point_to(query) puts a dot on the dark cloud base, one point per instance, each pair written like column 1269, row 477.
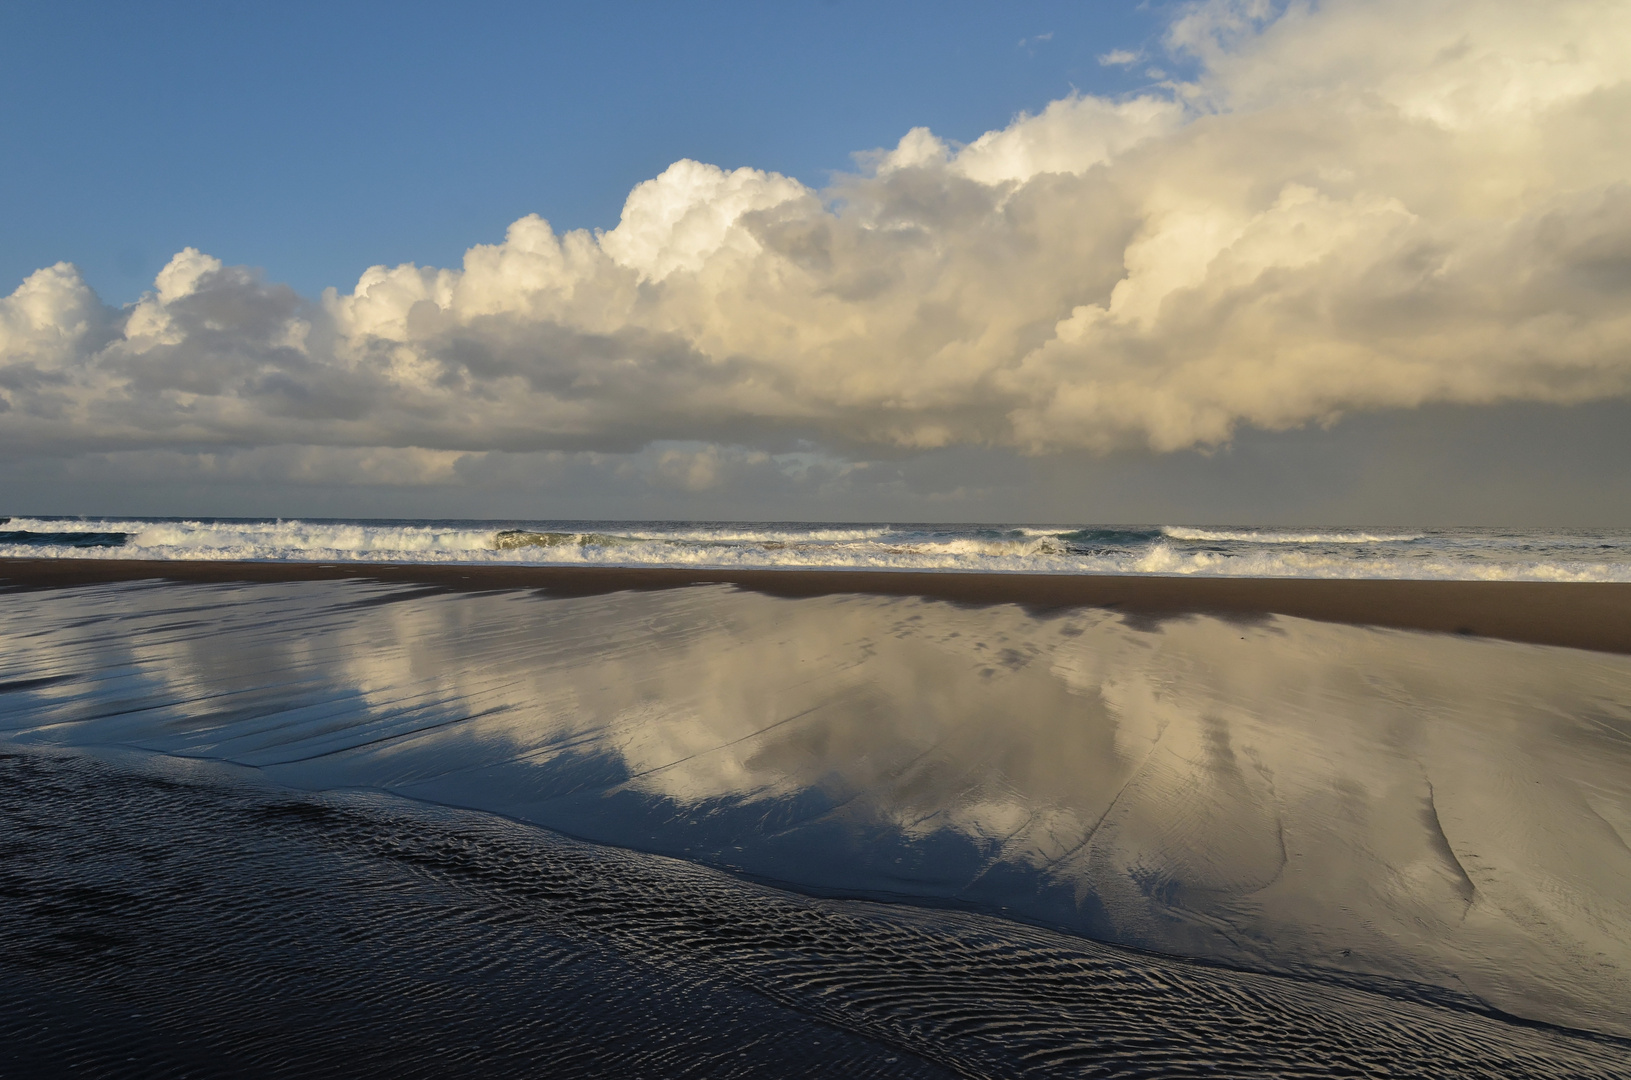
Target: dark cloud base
column 1520, row 465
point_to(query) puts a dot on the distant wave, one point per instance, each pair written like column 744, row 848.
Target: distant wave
column 1260, row 536
column 1464, row 554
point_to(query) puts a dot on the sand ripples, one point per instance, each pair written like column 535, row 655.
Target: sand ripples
column 167, row 918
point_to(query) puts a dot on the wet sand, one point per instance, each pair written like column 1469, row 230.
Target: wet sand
column 1580, row 615
column 183, row 921
column 422, row 820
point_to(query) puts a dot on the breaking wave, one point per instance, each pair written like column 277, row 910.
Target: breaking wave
column 1464, row 554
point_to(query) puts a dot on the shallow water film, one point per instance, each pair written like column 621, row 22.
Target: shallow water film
column 316, row 827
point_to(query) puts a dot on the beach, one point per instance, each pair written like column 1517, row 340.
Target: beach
column 1386, row 819
column 737, row 540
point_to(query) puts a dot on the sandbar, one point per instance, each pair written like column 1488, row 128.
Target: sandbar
column 1580, row 615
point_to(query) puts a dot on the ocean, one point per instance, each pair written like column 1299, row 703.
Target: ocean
column 379, row 826
column 1457, row 554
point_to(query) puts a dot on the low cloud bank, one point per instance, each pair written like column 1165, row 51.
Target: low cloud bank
column 1352, row 207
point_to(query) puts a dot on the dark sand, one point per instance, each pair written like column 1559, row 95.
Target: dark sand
column 172, row 920
column 1581, row 615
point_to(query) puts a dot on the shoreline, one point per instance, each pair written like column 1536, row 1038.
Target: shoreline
column 1581, row 615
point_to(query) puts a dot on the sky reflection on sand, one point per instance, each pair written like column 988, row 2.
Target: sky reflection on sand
column 1280, row 794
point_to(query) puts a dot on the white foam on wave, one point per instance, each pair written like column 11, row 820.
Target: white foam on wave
column 298, row 536
column 71, row 525
column 1163, row 559
column 1176, row 551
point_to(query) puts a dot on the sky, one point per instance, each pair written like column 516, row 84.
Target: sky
column 1233, row 261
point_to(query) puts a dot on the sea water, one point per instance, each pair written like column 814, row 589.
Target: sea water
column 1460, row 554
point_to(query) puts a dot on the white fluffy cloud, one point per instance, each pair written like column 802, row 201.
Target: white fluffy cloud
column 1353, row 206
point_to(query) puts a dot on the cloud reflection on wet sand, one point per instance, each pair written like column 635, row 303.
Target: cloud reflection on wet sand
column 1278, row 794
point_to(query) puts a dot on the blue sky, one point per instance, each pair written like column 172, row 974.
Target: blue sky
column 316, row 139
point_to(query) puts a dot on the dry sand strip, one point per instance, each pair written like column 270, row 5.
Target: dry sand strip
column 1581, row 615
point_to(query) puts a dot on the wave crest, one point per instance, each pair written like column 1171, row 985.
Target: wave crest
column 1269, row 536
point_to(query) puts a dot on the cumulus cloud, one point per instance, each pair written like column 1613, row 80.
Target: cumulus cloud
column 1351, row 207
